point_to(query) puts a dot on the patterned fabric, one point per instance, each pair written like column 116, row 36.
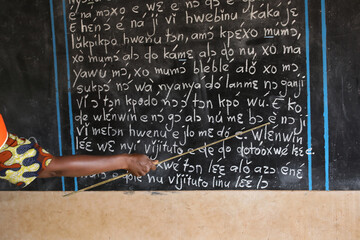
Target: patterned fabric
column 21, row 161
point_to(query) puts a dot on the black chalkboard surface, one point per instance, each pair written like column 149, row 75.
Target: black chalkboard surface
column 344, row 91
column 165, row 77
column 27, row 91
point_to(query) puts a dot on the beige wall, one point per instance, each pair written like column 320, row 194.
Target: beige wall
column 181, row 215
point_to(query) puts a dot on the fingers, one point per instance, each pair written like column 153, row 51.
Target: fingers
column 141, row 165
column 153, row 167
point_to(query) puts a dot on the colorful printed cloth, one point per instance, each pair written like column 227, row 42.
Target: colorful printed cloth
column 21, row 161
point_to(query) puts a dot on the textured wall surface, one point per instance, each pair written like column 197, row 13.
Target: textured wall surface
column 181, row 215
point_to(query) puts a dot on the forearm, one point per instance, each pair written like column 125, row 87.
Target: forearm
column 83, row 165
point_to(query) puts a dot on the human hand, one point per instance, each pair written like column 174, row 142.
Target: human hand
column 139, row 164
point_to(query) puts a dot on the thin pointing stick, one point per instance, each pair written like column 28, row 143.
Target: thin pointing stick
column 169, row 159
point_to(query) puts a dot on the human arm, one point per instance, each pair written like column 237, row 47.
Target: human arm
column 21, row 161
column 83, row 165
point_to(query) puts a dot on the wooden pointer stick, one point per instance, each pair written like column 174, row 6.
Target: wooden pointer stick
column 169, row 159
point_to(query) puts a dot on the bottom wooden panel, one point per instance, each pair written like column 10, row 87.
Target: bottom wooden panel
column 180, row 215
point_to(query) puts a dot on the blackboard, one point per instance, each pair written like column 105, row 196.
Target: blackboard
column 161, row 78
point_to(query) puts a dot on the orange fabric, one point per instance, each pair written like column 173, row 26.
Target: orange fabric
column 3, row 132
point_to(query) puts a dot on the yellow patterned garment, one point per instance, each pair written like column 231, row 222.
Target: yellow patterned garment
column 21, row 161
